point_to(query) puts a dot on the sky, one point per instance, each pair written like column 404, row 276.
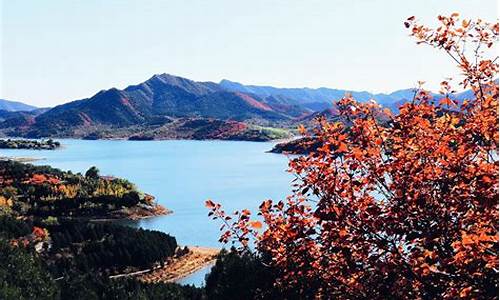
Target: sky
column 56, row 51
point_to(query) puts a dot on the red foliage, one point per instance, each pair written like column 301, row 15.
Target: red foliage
column 401, row 206
column 229, row 128
column 38, row 179
column 254, row 103
column 39, row 233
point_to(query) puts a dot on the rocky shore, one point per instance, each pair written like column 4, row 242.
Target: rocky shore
column 29, row 144
column 302, row 145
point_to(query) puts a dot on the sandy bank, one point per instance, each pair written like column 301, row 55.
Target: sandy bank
column 21, row 159
column 179, row 267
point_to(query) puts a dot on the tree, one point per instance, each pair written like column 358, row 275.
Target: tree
column 92, row 172
column 22, row 276
column 242, row 276
column 395, row 206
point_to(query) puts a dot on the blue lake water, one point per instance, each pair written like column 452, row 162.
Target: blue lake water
column 181, row 175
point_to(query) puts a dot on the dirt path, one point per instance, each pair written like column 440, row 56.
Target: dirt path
column 177, row 268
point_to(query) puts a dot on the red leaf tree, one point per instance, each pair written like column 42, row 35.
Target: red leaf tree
column 395, row 206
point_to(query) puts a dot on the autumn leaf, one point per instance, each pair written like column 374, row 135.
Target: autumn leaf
column 447, row 101
column 486, row 179
column 342, row 148
column 256, row 225
column 358, row 153
column 209, row 204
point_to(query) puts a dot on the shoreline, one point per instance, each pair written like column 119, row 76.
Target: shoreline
column 177, row 267
column 97, row 220
column 161, row 139
column 159, row 211
column 20, row 159
column 180, row 267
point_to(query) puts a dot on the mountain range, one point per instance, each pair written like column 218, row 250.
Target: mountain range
column 167, row 106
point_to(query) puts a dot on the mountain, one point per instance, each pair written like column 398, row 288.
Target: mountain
column 162, row 95
column 162, row 99
column 181, row 97
column 8, row 105
column 168, row 106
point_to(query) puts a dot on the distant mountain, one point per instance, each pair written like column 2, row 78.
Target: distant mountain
column 167, row 106
column 316, row 99
column 6, row 114
column 8, row 105
column 321, row 99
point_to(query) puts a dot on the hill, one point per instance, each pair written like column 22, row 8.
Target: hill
column 9, row 105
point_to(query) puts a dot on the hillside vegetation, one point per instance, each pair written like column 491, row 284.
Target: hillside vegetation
column 50, row 247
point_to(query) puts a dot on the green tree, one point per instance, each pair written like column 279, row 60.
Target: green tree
column 243, row 276
column 92, row 172
column 22, row 276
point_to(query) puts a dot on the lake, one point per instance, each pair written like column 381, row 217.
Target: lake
column 181, row 174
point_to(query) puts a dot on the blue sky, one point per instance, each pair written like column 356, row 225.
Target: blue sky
column 57, row 51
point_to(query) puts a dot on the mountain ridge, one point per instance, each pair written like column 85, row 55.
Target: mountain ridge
column 165, row 101
column 9, row 105
column 319, row 96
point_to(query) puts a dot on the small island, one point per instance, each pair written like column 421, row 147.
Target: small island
column 303, row 145
column 49, row 144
